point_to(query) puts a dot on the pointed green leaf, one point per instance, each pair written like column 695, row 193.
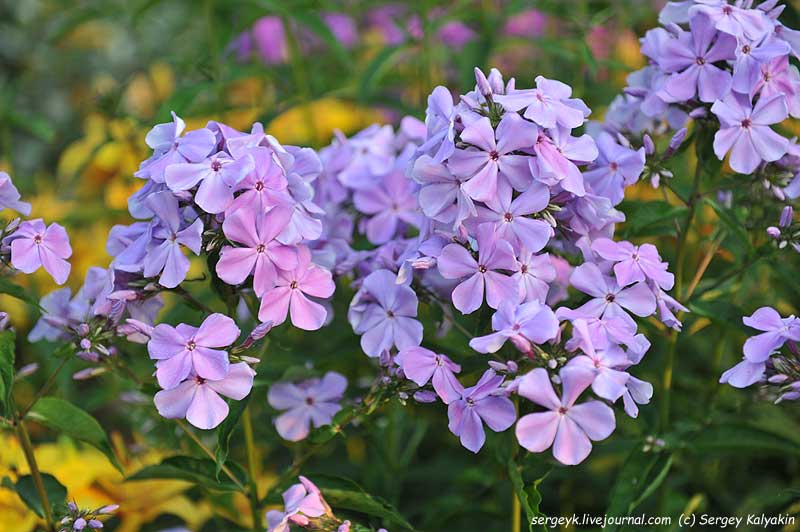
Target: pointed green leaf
column 199, row 471
column 26, row 489
column 529, row 496
column 7, row 357
column 640, row 476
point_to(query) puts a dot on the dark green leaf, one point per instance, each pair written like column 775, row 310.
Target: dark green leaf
column 225, row 431
column 26, row 489
column 729, row 219
column 739, row 438
column 17, row 292
column 529, row 496
column 645, row 218
column 7, row 349
column 199, row 471
column 63, row 416
column 640, row 476
column 346, row 494
column 376, row 68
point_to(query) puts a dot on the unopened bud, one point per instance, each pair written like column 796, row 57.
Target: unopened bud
column 786, row 216
column 773, row 232
column 649, row 145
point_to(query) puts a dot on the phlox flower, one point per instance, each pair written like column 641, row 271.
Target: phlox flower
column 184, row 349
column 568, row 427
column 169, row 147
column 745, row 132
column 217, row 176
column 390, row 204
column 492, row 158
column 522, row 324
column 259, row 254
column 439, row 124
column 484, row 402
column 777, row 331
column 609, row 380
column 263, row 187
column 509, row 218
column 637, row 392
column 290, row 294
column 533, row 274
column 10, row 196
column 456, row 262
column 300, row 502
column 557, row 155
column 198, row 399
column 35, row 245
column 166, row 257
column 751, row 24
column 423, row 365
column 616, row 167
column 549, row 104
column 312, row 402
column 779, row 77
column 608, row 297
column 441, row 195
column 384, row 314
column 634, row 263
column 750, row 57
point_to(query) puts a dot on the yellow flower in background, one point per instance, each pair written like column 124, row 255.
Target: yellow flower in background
column 146, row 91
column 92, row 482
column 316, row 121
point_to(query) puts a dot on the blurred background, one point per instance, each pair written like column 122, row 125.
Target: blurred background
column 81, row 82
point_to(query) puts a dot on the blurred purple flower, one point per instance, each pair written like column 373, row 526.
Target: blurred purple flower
column 312, row 402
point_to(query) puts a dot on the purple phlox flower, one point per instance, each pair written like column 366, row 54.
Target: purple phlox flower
column 609, row 381
column 558, row 154
column 749, row 59
column 55, row 319
column 745, row 132
column 778, row 77
column 184, row 349
column 300, row 502
column 548, row 104
column 365, row 156
column 439, row 122
column 198, row 399
column 608, row 297
column 568, row 427
column 527, row 23
column 533, row 275
column 10, row 196
column 491, row 158
column 523, row 324
column 483, row 403
column 744, row 374
column 169, row 147
column 35, row 245
column 442, row 195
column 270, row 39
column 423, row 365
column 615, row 168
column 667, row 306
column 509, row 218
column 342, row 27
column 129, row 244
column 690, row 58
column 166, row 257
column 218, row 177
column 260, row 254
column 599, row 333
column 488, row 87
column 290, row 294
column 264, row 187
column 384, row 313
column 481, row 275
column 637, row 392
column 391, row 204
column 634, row 263
column 777, row 331
column 455, row 34
column 344, row 527
column 751, row 24
column 590, row 215
column 311, row 402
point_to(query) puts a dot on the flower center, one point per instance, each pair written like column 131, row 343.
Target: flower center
column 700, row 61
column 746, row 49
column 191, row 345
column 746, row 123
column 216, row 165
column 200, row 380
column 614, row 166
column 309, row 401
column 439, row 361
column 493, row 155
column 523, row 268
column 727, row 10
column 260, row 248
column 482, row 268
column 37, row 239
column 390, row 314
column 610, row 298
column 259, row 186
column 470, row 401
column 515, row 327
column 508, row 216
column 562, row 410
column 293, row 285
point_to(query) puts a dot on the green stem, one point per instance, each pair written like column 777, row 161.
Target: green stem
column 27, row 449
column 516, row 513
column 252, row 469
column 210, row 454
column 44, row 389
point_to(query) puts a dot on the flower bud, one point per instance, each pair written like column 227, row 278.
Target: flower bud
column 649, row 145
column 773, row 232
column 786, row 216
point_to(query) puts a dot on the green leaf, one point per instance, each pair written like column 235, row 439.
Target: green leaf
column 640, row 476
column 346, row 494
column 647, row 218
column 376, row 68
column 17, row 292
column 199, row 471
column 529, row 496
column 7, row 350
column 63, row 416
column 26, row 489
column 729, row 219
column 225, row 431
column 738, row 438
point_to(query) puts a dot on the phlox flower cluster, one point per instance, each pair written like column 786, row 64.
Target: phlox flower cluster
column 771, row 357
column 486, row 207
column 78, row 519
